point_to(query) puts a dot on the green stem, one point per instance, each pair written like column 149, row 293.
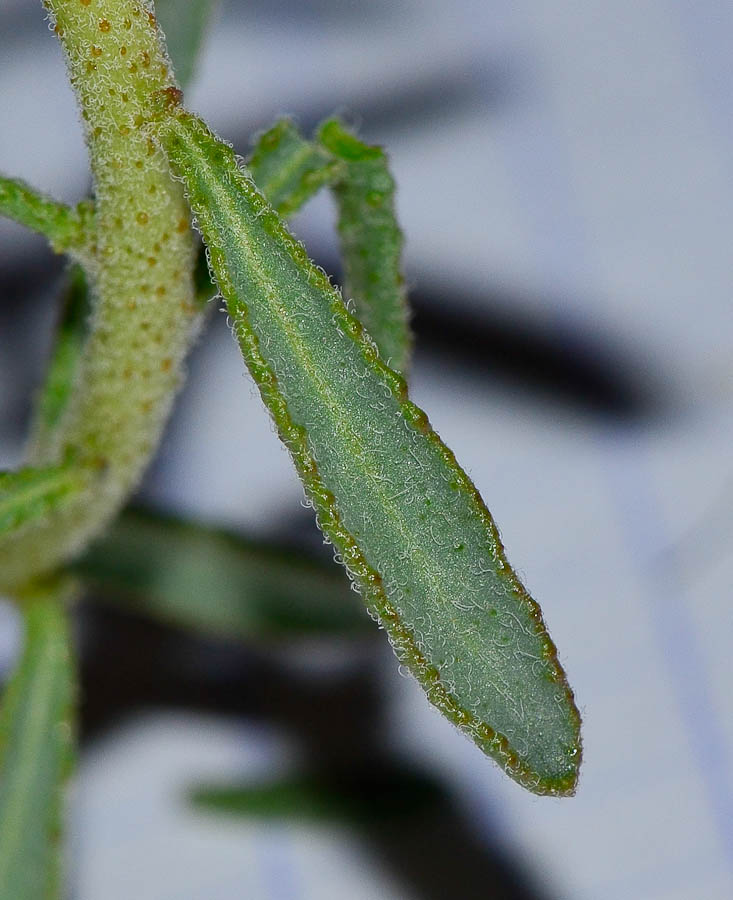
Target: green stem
column 144, row 316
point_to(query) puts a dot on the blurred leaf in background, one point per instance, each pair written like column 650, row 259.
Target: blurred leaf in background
column 36, row 740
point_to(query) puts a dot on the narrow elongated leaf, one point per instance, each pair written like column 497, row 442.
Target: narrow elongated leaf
column 371, row 242
column 288, row 169
column 29, row 495
column 35, row 752
column 405, row 519
column 218, row 583
column 68, row 229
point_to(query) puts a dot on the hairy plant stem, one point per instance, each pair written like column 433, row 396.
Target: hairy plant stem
column 143, row 313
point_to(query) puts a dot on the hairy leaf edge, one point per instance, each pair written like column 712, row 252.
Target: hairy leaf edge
column 172, row 118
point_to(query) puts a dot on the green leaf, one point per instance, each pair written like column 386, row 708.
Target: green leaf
column 218, row 583
column 288, row 169
column 57, row 390
column 28, row 495
column 35, row 751
column 68, row 229
column 362, row 798
column 405, row 519
column 184, row 23
column 371, row 242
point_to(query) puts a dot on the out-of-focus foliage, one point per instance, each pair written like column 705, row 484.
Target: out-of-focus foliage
column 35, row 749
column 217, row 583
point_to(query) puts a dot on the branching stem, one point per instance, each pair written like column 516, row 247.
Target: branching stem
column 143, row 312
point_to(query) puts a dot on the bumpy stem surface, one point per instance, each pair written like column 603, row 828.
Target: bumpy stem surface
column 143, row 312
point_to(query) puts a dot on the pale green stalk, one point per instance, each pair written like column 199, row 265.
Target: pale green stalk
column 144, row 314
column 288, row 169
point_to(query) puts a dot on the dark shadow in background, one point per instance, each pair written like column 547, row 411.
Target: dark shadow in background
column 585, row 373
column 129, row 664
column 407, row 106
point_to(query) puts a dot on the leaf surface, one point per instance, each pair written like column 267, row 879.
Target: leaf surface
column 289, row 169
column 405, row 519
column 371, row 241
column 35, row 753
